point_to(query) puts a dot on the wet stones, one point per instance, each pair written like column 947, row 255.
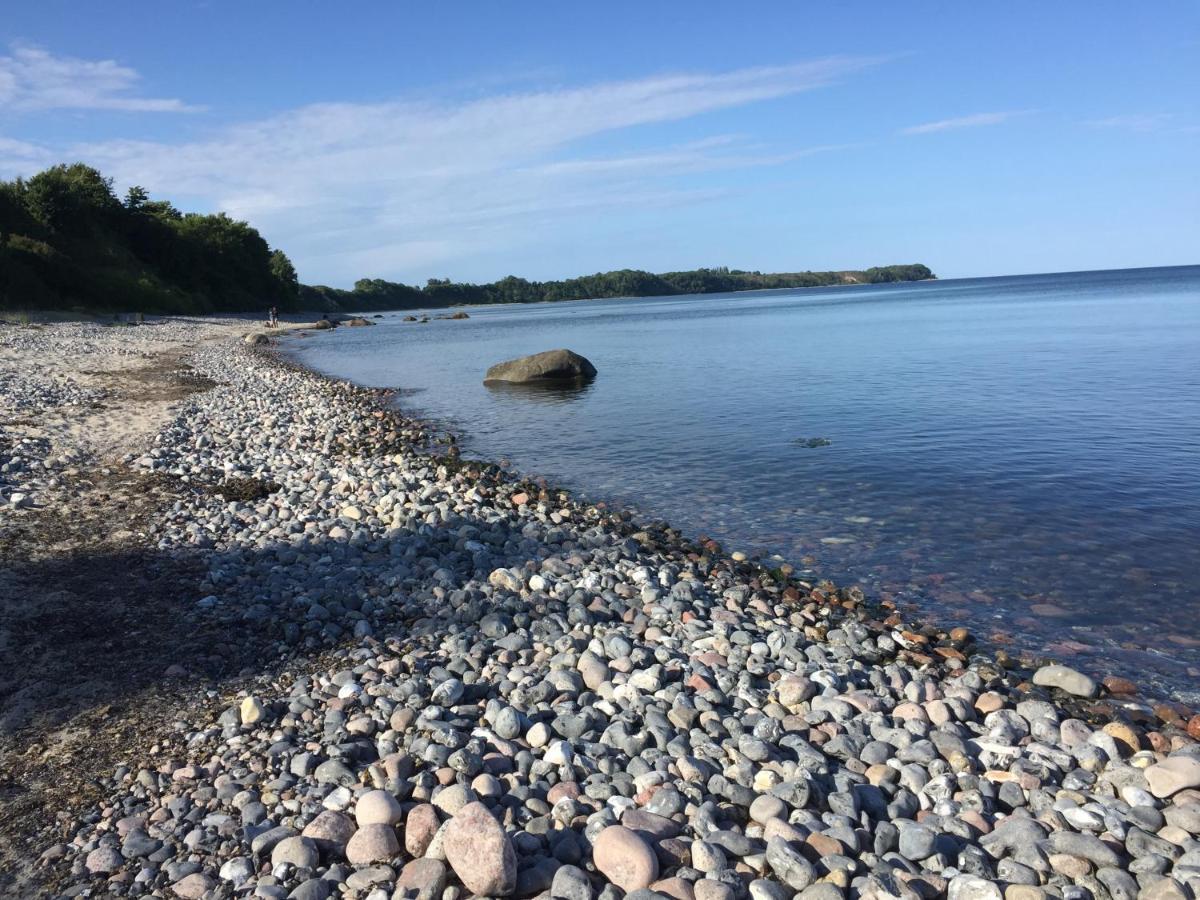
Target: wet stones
column 1173, row 774
column 1066, row 679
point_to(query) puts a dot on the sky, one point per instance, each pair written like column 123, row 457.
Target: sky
column 474, row 140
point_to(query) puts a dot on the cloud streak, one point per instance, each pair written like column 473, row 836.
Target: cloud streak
column 402, row 186
column 34, row 80
column 1142, row 122
column 976, row 120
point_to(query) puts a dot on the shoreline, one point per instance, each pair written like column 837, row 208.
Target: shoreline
column 444, row 593
column 1028, row 619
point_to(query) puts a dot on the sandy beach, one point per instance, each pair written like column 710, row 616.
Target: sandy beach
column 259, row 640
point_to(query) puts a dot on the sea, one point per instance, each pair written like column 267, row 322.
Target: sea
column 1019, row 455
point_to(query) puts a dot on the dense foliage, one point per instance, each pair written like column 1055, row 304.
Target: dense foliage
column 375, row 293
column 67, row 242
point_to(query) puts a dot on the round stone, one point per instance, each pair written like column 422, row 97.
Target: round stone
column 298, row 851
column 480, row 853
column 1173, row 774
column 330, row 830
column 624, row 858
column 372, row 843
column 377, row 808
column 1066, row 679
column 193, row 887
column 104, row 861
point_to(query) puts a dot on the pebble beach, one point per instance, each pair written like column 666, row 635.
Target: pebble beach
column 428, row 678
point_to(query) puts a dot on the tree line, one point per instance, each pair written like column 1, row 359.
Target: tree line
column 376, row 293
column 68, row 242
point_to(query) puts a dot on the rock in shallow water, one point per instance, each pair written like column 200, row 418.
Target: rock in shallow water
column 1066, row 679
column 548, row 366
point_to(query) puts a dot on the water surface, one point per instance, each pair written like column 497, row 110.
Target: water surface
column 1018, row 454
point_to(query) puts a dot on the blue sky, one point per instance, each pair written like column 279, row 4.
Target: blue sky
column 475, row 140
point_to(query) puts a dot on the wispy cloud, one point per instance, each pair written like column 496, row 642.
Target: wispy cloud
column 1135, row 121
column 401, row 186
column 33, row 79
column 975, row 120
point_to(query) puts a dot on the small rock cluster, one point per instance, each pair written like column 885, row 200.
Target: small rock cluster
column 522, row 695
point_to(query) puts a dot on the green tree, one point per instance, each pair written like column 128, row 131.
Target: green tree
column 71, row 199
column 285, row 273
column 136, row 197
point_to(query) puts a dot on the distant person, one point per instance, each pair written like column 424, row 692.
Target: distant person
column 273, row 318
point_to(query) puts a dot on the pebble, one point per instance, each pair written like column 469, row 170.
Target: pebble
column 377, row 808
column 478, row 696
column 624, row 858
column 1066, row 679
column 480, row 852
column 422, row 879
column 1173, row 774
column 372, row 843
column 193, row 887
column 251, row 711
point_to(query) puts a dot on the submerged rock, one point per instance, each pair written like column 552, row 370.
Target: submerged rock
column 1066, row 679
column 551, row 365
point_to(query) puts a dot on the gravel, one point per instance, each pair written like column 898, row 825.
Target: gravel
column 496, row 689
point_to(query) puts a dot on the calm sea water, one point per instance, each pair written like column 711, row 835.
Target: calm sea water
column 1018, row 454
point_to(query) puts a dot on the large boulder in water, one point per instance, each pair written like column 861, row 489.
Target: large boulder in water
column 550, row 366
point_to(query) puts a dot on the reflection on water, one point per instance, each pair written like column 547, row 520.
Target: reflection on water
column 1021, row 455
column 552, row 392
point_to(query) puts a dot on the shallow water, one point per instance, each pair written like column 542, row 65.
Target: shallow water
column 1018, row 454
